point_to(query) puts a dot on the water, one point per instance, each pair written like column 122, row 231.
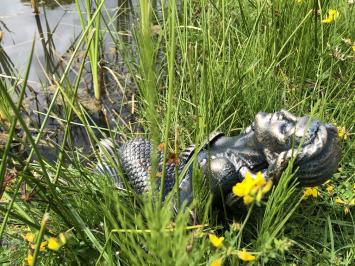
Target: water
column 54, row 31
column 56, row 23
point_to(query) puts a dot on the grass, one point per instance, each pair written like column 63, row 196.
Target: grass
column 93, row 45
column 198, row 67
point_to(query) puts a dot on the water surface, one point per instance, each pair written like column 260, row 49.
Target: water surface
column 59, row 25
column 55, row 31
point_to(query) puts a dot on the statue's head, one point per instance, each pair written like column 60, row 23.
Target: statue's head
column 313, row 144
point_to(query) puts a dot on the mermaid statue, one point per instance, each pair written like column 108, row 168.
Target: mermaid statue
column 266, row 146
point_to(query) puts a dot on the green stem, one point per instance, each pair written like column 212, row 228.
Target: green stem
column 39, row 237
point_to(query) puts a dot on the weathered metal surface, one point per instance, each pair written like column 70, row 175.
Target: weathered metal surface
column 267, row 145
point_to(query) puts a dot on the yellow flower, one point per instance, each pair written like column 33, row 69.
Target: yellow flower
column 243, row 188
column 53, row 243
column 259, row 179
column 333, row 14
column 217, row 262
column 251, row 189
column 345, row 202
column 310, row 191
column 247, row 199
column 342, row 133
column 267, row 187
column 29, row 259
column 330, row 190
column 353, row 47
column 259, row 195
column 245, row 255
column 43, row 245
column 30, row 237
column 339, row 201
column 215, row 240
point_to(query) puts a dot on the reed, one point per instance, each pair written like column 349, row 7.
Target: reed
column 95, row 45
column 7, row 69
column 34, row 7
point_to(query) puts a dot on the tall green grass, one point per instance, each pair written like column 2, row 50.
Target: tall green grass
column 94, row 46
column 211, row 65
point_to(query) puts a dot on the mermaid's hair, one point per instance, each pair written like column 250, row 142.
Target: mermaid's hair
column 315, row 160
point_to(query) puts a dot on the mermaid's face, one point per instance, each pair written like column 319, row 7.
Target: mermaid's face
column 281, row 130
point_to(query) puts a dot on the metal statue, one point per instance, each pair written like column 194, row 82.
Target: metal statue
column 268, row 145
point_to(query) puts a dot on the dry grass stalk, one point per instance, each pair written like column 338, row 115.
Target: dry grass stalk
column 34, row 7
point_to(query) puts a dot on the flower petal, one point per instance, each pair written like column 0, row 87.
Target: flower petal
column 53, row 243
column 259, row 179
column 217, row 262
column 245, row 255
column 43, row 245
column 238, row 190
column 248, row 199
column 30, row 237
column 29, row 259
column 267, row 187
column 215, row 240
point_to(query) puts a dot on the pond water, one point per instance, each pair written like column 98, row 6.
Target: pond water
column 58, row 21
column 54, row 31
